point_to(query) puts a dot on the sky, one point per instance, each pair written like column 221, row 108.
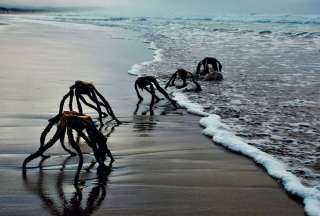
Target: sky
column 183, row 7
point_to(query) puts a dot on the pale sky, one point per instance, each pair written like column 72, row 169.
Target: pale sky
column 185, row 7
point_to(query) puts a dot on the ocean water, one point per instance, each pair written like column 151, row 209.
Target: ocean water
column 270, row 97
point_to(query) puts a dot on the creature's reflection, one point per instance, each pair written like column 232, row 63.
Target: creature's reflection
column 59, row 203
column 144, row 122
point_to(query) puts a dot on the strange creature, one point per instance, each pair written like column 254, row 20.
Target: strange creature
column 150, row 84
column 183, row 75
column 81, row 88
column 213, row 73
column 67, row 122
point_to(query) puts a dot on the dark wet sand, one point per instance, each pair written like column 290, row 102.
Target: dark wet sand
column 164, row 166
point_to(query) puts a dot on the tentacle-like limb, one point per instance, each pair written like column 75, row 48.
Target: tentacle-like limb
column 160, row 89
column 42, row 149
column 63, row 101
column 65, row 98
column 92, row 106
column 152, row 91
column 137, row 107
column 92, row 145
column 198, row 71
column 78, row 150
column 95, row 100
column 137, row 91
column 107, row 105
column 101, row 141
column 172, row 80
column 71, row 99
column 63, row 133
column 79, row 104
column 43, row 137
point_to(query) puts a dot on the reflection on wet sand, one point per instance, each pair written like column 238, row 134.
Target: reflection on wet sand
column 144, row 122
column 61, row 204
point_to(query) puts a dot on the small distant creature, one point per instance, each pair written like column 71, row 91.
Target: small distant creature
column 183, row 75
column 67, row 122
column 216, row 67
column 150, row 84
column 81, row 88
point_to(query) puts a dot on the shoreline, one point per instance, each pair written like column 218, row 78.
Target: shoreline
column 153, row 155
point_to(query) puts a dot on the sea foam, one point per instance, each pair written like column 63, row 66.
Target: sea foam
column 222, row 134
column 157, row 57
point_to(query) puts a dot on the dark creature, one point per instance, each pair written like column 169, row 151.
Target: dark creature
column 205, row 63
column 150, row 84
column 183, row 75
column 81, row 88
column 66, row 123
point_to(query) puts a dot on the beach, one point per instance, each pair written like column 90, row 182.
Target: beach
column 164, row 166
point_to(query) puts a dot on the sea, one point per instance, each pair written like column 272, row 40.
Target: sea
column 268, row 105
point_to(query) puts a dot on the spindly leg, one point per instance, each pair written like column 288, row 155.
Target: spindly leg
column 96, row 101
column 174, row 103
column 94, row 148
column 137, row 91
column 78, row 150
column 91, row 105
column 107, row 105
column 137, row 107
column 62, row 135
column 47, row 129
column 43, row 137
column 79, row 104
column 62, row 102
column 42, row 149
column 153, row 94
column 71, row 100
column 171, row 81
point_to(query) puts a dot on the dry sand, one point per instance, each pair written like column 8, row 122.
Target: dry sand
column 164, row 166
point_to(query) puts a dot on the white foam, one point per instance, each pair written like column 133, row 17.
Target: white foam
column 222, row 134
column 157, row 57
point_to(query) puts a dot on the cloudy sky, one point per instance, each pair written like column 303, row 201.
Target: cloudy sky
column 184, row 7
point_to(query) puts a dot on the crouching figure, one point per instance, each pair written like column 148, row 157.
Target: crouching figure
column 211, row 69
column 67, row 122
column 184, row 75
column 150, row 84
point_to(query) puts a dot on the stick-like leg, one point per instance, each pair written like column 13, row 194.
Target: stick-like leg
column 174, row 103
column 137, row 91
column 153, row 94
column 137, row 107
column 71, row 99
column 152, row 91
column 42, row 149
column 96, row 101
column 107, row 105
column 63, row 133
column 78, row 150
column 92, row 145
column 92, row 106
column 171, row 81
column 79, row 104
column 62, row 102
column 43, row 137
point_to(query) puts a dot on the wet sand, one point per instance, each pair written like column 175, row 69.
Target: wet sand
column 164, row 166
